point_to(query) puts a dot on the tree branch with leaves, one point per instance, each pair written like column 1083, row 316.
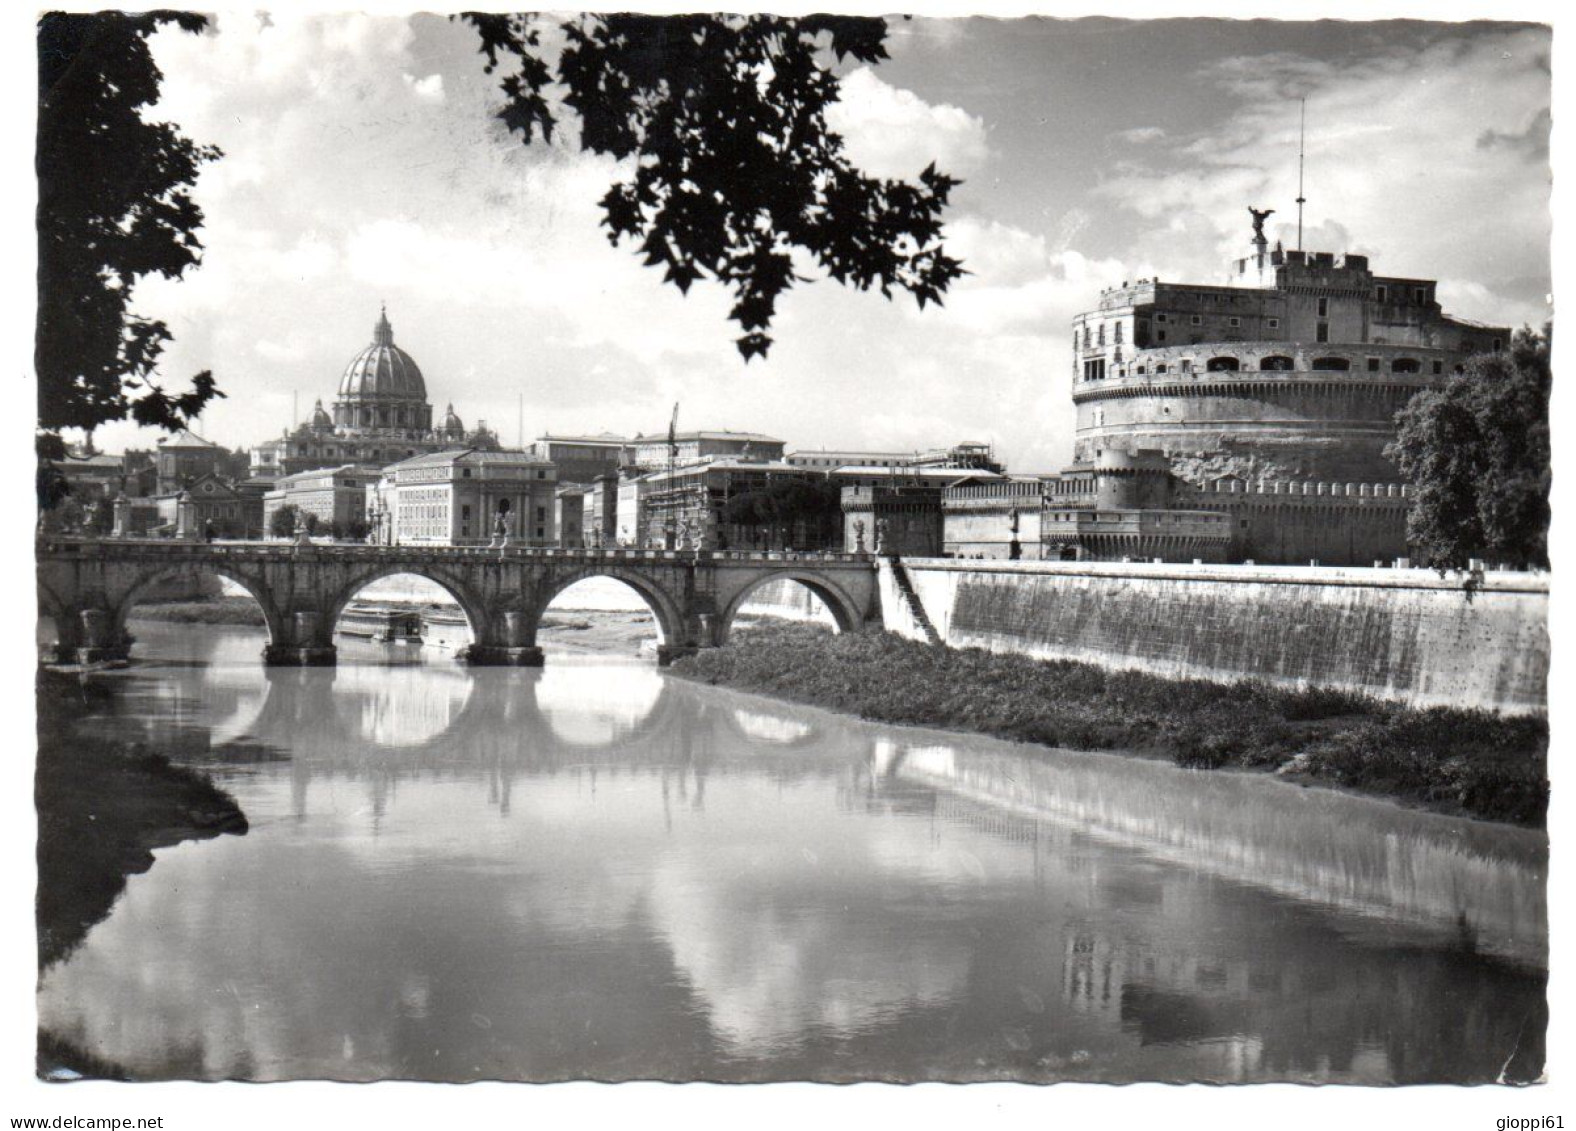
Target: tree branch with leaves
column 114, row 206
column 734, row 167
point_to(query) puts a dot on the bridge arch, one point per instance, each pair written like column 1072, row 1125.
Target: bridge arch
column 471, row 603
column 273, row 619
column 664, row 607
column 845, row 611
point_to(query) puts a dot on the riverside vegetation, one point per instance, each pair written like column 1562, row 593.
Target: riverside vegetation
column 103, row 808
column 1462, row 761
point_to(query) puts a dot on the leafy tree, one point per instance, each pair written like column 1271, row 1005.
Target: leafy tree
column 282, row 523
column 1478, row 457
column 786, row 508
column 113, row 207
column 733, row 164
column 353, row 529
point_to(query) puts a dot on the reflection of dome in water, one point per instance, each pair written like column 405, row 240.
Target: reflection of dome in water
column 401, row 706
column 595, row 706
column 771, row 728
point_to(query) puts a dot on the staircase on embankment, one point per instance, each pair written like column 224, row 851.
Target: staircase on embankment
column 916, row 608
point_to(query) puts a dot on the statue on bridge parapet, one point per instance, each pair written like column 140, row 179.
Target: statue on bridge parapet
column 859, row 535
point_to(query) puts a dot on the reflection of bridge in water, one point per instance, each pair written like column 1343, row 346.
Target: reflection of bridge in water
column 87, row 587
column 1178, row 908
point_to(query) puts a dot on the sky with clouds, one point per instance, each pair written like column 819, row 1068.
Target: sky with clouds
column 363, row 164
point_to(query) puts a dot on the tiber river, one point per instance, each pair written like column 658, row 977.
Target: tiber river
column 596, row 870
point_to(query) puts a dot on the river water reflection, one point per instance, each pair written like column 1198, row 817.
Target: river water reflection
column 598, row 871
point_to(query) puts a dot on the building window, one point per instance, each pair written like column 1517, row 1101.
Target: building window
column 1324, row 308
column 1384, row 293
column 1331, row 364
column 1405, row 365
column 1420, row 295
column 1439, row 367
column 1187, row 365
column 1161, row 368
column 1222, row 365
column 1160, row 335
column 1195, row 319
column 1101, row 338
column 1373, row 365
column 1276, row 362
column 1160, row 317
column 1117, row 333
column 1234, row 322
column 1322, row 333
column 1273, row 323
column 465, row 473
column 1498, row 345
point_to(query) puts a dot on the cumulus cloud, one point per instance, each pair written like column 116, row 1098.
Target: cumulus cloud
column 1432, row 159
column 363, row 164
column 895, row 133
column 1142, row 134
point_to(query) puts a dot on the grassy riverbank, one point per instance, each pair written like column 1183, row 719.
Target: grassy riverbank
column 103, row 807
column 214, row 610
column 1455, row 761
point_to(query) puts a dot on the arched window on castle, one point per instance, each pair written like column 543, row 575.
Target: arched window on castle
column 1222, row 365
column 1331, row 364
column 1276, row 363
column 1406, row 365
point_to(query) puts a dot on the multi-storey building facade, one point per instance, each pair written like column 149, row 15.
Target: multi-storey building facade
column 465, row 497
column 580, row 459
column 336, row 495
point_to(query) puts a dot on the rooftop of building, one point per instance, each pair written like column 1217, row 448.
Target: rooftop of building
column 382, row 371
column 473, row 456
column 608, row 439
column 707, row 434
column 96, row 461
column 185, row 438
column 929, row 474
column 349, row 469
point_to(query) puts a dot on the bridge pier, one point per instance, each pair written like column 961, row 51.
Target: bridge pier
column 100, row 641
column 307, row 646
column 300, row 655
column 667, row 653
column 501, row 656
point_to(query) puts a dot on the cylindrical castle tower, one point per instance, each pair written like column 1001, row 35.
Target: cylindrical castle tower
column 1299, row 380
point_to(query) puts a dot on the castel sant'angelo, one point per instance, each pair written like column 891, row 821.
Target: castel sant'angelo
column 1248, row 421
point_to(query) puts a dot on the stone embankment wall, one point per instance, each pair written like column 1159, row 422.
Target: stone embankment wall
column 1405, row 635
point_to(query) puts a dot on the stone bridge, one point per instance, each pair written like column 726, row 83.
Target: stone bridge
column 88, row 586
